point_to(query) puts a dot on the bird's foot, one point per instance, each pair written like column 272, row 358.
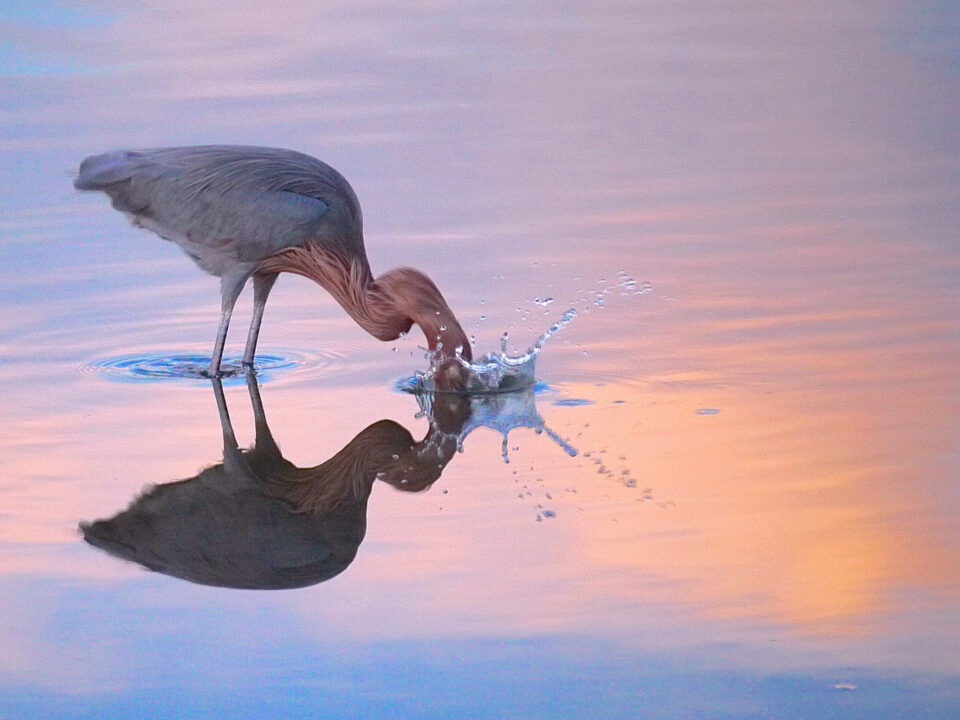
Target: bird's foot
column 213, row 372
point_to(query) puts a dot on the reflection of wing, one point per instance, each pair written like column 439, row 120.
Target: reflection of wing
column 214, row 530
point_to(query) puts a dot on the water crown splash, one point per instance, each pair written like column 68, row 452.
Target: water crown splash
column 496, row 372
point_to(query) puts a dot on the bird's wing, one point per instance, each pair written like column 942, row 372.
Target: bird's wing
column 260, row 200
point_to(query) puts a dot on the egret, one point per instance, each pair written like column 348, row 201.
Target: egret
column 242, row 212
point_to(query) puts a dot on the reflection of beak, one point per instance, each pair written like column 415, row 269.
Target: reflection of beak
column 450, row 411
column 450, row 377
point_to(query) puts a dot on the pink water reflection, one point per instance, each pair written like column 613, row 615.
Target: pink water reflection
column 783, row 403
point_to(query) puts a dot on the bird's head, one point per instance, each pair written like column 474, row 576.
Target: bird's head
column 414, row 298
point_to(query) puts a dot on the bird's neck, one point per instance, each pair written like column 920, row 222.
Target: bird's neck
column 414, row 298
column 386, row 306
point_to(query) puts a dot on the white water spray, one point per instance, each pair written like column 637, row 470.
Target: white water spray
column 498, row 372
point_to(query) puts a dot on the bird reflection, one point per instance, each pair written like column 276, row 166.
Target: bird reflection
column 258, row 521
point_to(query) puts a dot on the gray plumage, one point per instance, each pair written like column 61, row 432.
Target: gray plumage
column 229, row 207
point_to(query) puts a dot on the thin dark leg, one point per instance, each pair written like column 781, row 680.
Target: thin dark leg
column 229, row 439
column 230, row 288
column 262, row 284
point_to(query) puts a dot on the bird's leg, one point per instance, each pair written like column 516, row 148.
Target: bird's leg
column 264, row 438
column 262, row 284
column 230, row 287
column 229, row 439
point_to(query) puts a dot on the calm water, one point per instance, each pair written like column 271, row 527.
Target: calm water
column 762, row 518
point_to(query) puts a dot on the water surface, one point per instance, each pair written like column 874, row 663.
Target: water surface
column 761, row 518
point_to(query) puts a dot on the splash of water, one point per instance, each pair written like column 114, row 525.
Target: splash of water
column 501, row 412
column 502, row 372
column 497, row 372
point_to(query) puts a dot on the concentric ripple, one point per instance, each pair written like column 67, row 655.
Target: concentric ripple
column 153, row 367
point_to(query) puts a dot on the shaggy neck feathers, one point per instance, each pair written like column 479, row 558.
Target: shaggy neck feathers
column 386, row 306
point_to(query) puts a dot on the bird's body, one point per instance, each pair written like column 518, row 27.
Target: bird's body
column 242, row 211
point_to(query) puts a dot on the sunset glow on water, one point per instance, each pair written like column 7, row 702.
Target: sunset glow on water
column 732, row 491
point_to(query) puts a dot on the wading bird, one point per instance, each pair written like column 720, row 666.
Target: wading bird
column 250, row 211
